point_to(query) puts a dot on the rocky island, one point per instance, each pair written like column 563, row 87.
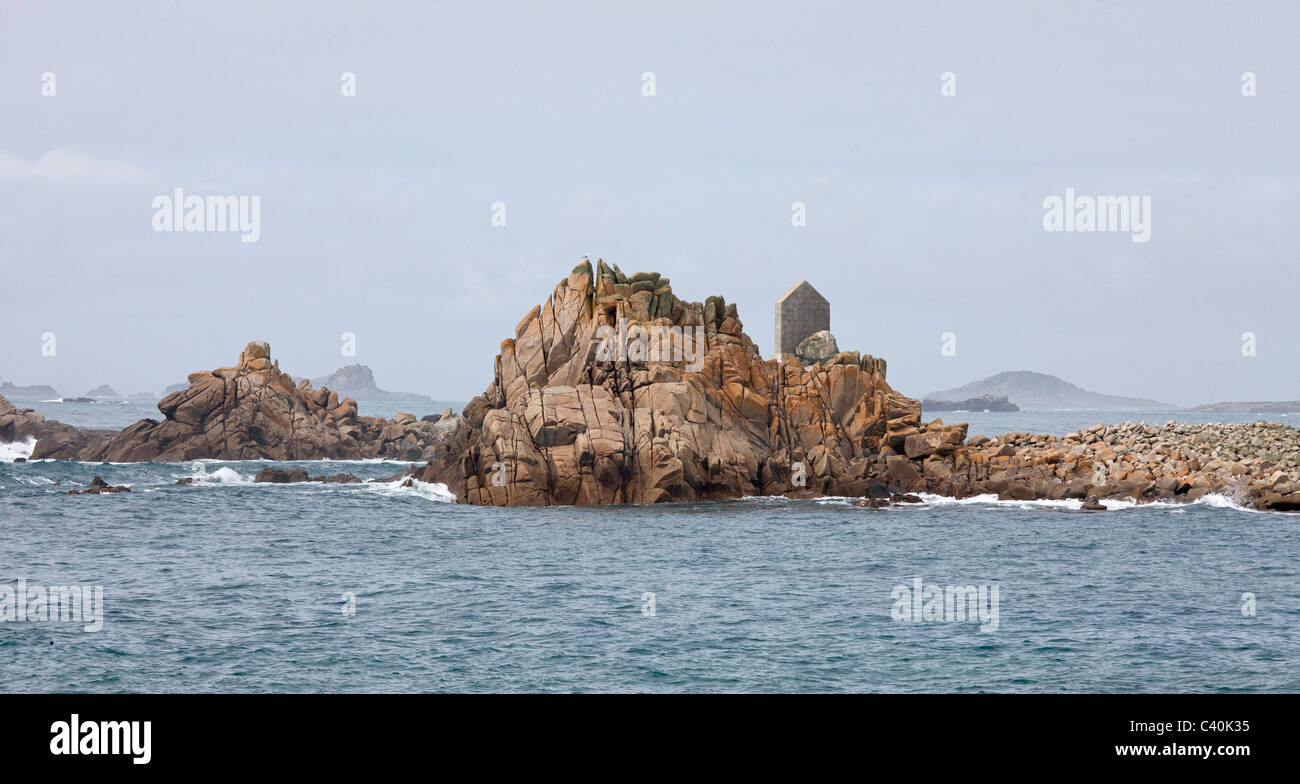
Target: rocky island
column 981, row 403
column 248, row 411
column 11, row 390
column 568, row 420
column 616, row 391
column 358, row 383
column 1041, row 392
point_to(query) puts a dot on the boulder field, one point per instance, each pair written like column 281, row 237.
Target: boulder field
column 616, row 391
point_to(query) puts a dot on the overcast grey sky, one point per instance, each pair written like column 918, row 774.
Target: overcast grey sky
column 924, row 211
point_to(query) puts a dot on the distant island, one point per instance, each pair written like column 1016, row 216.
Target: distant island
column 35, row 392
column 358, row 383
column 354, row 381
column 981, row 403
column 104, row 391
column 1275, row 407
column 1039, row 391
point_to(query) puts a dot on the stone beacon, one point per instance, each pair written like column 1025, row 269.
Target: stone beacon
column 800, row 312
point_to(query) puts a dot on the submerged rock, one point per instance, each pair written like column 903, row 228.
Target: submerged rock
column 286, row 476
column 98, row 486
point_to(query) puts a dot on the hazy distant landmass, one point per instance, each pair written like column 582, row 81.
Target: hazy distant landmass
column 981, row 403
column 1039, row 391
column 358, row 383
column 1273, row 407
column 181, row 387
column 104, row 391
column 35, row 392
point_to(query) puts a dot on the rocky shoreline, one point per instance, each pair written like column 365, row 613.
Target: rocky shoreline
column 1255, row 464
column 616, row 391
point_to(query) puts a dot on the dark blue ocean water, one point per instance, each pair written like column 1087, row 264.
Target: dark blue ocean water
column 228, row 586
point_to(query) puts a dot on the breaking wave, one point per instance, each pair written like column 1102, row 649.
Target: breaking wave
column 13, row 451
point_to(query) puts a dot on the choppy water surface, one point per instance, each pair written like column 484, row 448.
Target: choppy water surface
column 227, row 585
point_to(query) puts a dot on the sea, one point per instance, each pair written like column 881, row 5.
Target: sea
column 224, row 585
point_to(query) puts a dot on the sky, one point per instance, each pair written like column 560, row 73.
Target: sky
column 924, row 210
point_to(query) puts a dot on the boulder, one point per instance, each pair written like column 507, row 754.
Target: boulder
column 817, row 347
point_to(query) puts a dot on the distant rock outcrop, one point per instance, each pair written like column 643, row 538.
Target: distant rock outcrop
column 358, row 383
column 1041, row 392
column 104, row 392
column 36, row 392
column 1273, row 407
column 252, row 411
column 981, row 403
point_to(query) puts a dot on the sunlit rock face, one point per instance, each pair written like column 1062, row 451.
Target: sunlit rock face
column 616, row 391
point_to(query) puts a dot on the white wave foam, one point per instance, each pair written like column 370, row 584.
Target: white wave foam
column 431, row 491
column 991, row 499
column 15, row 450
column 1219, row 501
column 224, row 475
column 1216, row 500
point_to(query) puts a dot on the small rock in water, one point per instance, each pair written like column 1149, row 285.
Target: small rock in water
column 906, row 498
column 871, row 503
column 98, row 486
